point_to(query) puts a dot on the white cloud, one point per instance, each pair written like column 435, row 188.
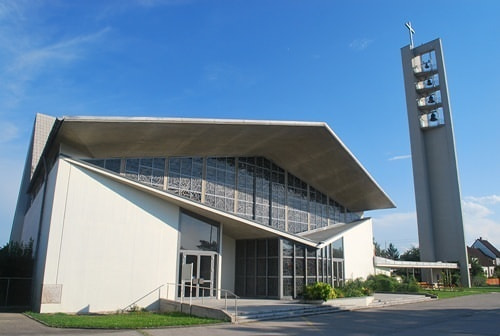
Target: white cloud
column 399, row 228
column 400, row 157
column 9, row 8
column 28, row 55
column 31, row 60
column 481, row 218
column 396, row 219
column 491, row 199
column 8, row 131
column 360, row 44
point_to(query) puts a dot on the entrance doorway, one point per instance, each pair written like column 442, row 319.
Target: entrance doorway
column 203, row 282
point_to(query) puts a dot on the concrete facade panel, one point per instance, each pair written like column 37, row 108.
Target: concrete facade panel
column 109, row 244
column 358, row 251
column 228, row 263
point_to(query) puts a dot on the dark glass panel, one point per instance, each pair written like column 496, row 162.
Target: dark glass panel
column 240, row 248
column 197, row 234
column 261, row 287
column 239, row 286
column 287, row 248
column 299, row 285
column 272, row 267
column 311, row 267
column 299, row 266
column 261, row 248
column 299, row 251
column 338, row 248
column 311, row 252
column 251, row 248
column 113, row 165
column 205, row 267
column 261, row 267
column 174, row 165
column 287, row 287
column 250, row 286
column 147, row 162
column 287, row 266
column 132, row 165
column 272, row 287
column 240, row 266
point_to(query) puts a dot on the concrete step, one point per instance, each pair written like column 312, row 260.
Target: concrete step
column 378, row 303
column 280, row 314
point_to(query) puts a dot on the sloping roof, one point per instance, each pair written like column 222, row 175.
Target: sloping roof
column 483, row 259
column 309, row 150
column 490, row 247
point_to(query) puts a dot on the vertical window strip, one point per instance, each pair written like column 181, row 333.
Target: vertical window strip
column 185, row 176
column 220, row 183
column 149, row 171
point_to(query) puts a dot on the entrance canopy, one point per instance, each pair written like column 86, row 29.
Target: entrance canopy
column 389, row 263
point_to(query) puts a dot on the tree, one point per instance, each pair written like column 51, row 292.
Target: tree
column 412, row 254
column 478, row 278
column 16, row 259
column 391, row 252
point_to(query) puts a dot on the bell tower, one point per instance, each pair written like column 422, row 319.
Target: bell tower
column 435, row 172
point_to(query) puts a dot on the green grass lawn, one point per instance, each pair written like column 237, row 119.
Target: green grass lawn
column 136, row 320
column 445, row 293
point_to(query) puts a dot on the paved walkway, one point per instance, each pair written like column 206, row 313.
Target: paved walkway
column 469, row 315
column 249, row 307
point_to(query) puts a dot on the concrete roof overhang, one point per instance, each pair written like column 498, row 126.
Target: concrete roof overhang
column 308, row 150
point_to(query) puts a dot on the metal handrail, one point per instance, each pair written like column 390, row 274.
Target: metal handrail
column 225, row 292
column 142, row 297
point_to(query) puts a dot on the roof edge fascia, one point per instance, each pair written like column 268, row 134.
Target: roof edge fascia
column 347, row 150
column 124, row 119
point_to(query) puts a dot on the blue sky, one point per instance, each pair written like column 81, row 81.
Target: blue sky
column 332, row 61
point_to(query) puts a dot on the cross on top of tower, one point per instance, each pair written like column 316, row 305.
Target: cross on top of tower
column 411, row 31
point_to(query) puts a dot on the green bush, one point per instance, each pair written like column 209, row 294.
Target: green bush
column 409, row 285
column 355, row 288
column 319, row 291
column 382, row 283
column 338, row 293
column 478, row 280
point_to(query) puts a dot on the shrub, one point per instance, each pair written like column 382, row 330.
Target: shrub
column 408, row 285
column 478, row 280
column 319, row 291
column 356, row 288
column 338, row 292
column 382, row 283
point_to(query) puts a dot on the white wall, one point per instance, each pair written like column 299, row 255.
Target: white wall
column 108, row 245
column 32, row 220
column 228, row 263
column 358, row 251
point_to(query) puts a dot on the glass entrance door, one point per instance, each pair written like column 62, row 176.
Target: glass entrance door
column 203, row 282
